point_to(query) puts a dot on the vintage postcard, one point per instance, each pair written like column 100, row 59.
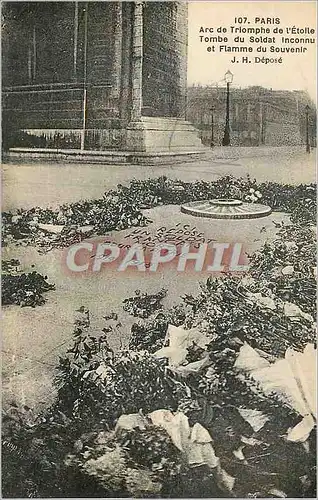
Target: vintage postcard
column 159, row 249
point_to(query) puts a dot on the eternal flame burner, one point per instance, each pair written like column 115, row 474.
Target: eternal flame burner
column 225, row 208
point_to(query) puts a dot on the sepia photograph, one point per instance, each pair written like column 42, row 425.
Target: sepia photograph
column 159, row 226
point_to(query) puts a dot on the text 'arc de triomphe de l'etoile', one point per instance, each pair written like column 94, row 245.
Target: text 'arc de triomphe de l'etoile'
column 96, row 75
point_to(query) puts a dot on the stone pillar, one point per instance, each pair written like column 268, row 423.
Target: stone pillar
column 182, row 49
column 159, row 134
column 117, row 55
column 75, row 43
column 125, row 93
column 260, row 129
column 137, row 51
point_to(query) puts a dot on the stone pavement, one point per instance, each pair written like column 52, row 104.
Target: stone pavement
column 28, row 185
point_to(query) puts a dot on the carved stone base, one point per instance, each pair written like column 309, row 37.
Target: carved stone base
column 149, row 135
column 152, row 134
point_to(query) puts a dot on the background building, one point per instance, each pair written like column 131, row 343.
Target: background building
column 258, row 116
column 96, row 75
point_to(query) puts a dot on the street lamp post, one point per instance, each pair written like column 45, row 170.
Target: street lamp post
column 212, row 126
column 307, row 129
column 226, row 138
column 201, row 127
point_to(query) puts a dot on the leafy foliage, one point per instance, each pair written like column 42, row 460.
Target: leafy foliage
column 149, row 334
column 122, row 208
column 286, row 266
column 97, row 385
column 24, row 289
column 143, row 304
column 101, row 215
